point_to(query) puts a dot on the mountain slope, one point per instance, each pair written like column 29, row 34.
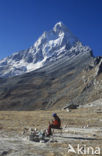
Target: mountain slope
column 53, row 86
column 50, row 47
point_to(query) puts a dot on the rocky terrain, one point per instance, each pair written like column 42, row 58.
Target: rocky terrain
column 81, row 126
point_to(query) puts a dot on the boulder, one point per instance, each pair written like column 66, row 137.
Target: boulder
column 71, row 106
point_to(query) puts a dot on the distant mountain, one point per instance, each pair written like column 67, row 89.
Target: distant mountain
column 55, row 72
column 51, row 46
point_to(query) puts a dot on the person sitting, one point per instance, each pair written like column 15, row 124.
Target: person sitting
column 56, row 123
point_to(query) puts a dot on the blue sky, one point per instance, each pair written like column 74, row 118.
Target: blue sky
column 23, row 21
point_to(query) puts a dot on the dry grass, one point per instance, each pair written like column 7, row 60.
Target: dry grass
column 17, row 120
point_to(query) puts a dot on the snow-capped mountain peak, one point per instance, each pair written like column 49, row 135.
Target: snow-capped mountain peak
column 59, row 27
column 50, row 46
column 55, row 39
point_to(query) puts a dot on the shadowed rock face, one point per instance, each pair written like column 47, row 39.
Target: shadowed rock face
column 53, row 86
column 100, row 68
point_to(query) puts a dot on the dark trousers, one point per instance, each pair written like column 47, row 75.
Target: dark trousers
column 52, row 126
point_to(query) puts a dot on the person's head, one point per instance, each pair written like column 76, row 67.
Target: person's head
column 54, row 115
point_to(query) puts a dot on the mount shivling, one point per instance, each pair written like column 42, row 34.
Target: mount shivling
column 56, row 71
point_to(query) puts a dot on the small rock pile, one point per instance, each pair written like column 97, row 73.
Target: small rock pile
column 36, row 135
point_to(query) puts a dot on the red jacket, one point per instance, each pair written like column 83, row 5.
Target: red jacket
column 57, row 122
